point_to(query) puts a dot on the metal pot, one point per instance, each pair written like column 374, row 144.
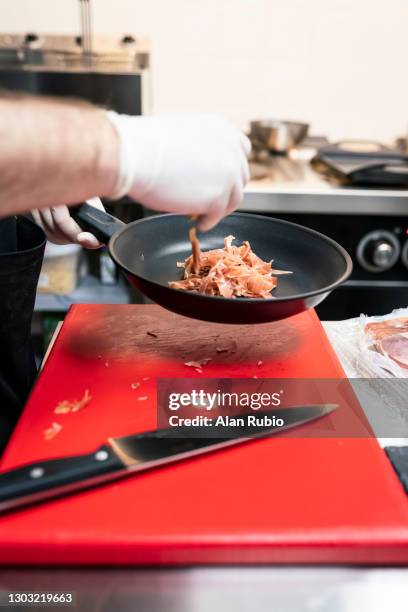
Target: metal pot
column 275, row 135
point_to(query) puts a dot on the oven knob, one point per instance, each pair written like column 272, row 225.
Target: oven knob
column 378, row 251
column 382, row 254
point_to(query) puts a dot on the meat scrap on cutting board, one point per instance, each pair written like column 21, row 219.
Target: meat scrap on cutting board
column 52, row 431
column 73, row 405
column 197, row 365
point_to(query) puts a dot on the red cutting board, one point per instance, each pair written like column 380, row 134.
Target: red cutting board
column 278, row 500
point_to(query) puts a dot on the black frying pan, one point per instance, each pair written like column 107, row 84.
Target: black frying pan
column 147, row 251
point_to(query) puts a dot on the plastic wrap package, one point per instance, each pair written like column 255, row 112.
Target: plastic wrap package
column 372, row 351
column 369, row 346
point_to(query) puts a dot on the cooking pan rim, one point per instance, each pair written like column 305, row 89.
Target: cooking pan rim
column 241, row 300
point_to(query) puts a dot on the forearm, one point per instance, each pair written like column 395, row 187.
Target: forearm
column 54, row 152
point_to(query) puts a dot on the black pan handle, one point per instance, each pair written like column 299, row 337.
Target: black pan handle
column 100, row 223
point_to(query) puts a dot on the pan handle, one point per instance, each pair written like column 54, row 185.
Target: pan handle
column 100, row 223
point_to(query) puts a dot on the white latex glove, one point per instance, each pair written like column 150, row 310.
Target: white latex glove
column 193, row 164
column 61, row 228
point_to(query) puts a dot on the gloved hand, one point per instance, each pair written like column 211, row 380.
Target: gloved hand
column 61, row 228
column 194, row 164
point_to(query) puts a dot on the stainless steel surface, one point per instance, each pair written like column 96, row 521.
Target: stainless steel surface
column 291, row 185
column 276, row 135
column 224, row 589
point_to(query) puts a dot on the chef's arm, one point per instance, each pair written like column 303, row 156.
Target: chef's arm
column 54, row 152
column 58, row 152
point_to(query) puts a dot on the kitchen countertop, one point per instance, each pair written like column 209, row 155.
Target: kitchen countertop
column 237, row 589
column 293, row 186
column 230, row 589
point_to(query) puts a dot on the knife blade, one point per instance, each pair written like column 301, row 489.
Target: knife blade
column 119, row 457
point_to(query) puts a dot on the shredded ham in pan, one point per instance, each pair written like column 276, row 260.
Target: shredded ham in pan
column 234, row 271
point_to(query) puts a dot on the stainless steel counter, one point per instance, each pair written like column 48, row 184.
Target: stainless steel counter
column 293, row 186
column 226, row 589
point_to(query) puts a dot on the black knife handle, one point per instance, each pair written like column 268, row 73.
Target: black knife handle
column 53, row 477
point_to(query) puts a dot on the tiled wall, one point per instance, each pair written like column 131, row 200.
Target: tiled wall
column 339, row 64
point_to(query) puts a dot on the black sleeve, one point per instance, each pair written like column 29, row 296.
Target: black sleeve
column 22, row 246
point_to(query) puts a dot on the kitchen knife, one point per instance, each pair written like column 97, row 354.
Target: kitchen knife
column 123, row 456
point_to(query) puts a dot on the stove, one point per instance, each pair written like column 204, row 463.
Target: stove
column 370, row 223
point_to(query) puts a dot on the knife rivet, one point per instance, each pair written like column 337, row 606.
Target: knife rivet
column 37, row 472
column 101, row 455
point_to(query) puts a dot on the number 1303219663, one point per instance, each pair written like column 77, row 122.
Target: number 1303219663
column 32, row 598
